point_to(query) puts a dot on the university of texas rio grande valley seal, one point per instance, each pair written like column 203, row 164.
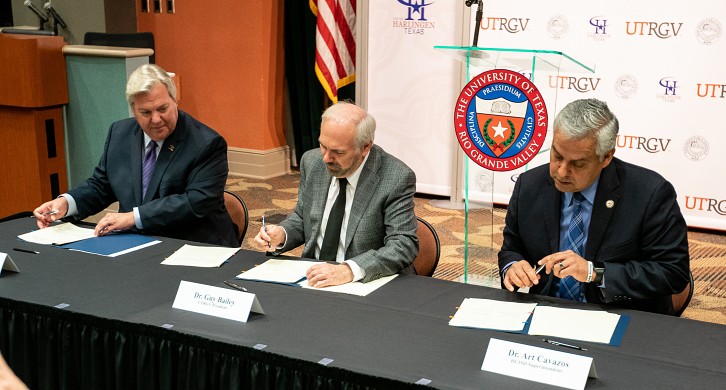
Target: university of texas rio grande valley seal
column 500, row 120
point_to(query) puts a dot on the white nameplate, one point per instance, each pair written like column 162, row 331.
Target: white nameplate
column 216, row 301
column 7, row 263
column 538, row 364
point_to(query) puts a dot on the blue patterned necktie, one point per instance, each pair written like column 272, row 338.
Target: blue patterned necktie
column 148, row 168
column 569, row 287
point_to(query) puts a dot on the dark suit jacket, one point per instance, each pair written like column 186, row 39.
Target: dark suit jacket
column 641, row 240
column 185, row 195
column 381, row 232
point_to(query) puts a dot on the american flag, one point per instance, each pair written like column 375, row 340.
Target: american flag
column 334, row 44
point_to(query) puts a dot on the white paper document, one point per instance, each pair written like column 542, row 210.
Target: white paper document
column 491, row 314
column 200, row 256
column 60, row 234
column 278, row 271
column 573, row 324
column 354, row 288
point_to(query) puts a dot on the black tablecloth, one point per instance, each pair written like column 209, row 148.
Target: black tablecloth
column 119, row 331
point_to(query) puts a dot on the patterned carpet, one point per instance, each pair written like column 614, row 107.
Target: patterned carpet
column 276, row 197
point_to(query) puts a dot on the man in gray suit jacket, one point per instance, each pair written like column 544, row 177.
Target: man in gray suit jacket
column 185, row 181
column 633, row 250
column 378, row 231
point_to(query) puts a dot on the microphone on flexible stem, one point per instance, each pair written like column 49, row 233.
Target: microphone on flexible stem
column 56, row 18
column 479, row 14
column 41, row 15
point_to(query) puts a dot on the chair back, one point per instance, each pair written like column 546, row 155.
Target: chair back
column 429, row 249
column 237, row 210
column 683, row 298
column 141, row 39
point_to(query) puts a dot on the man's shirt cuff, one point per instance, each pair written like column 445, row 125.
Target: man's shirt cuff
column 72, row 208
column 137, row 219
column 358, row 272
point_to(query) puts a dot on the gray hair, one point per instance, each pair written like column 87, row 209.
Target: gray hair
column 365, row 124
column 585, row 118
column 144, row 78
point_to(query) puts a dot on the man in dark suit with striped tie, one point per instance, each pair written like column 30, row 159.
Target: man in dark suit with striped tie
column 166, row 169
column 605, row 231
column 355, row 205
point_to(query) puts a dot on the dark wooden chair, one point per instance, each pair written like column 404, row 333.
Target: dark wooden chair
column 237, row 209
column 429, row 249
column 683, row 298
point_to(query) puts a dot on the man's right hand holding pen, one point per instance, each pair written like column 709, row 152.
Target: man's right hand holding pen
column 270, row 237
column 51, row 211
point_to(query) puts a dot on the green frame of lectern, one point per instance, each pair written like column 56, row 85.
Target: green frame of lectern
column 540, row 65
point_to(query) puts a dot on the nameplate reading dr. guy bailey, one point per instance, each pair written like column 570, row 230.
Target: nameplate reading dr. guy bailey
column 216, row 301
column 538, row 364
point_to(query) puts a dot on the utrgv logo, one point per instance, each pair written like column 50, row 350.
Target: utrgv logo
column 706, row 204
column 650, row 145
column 510, row 25
column 661, row 30
column 582, row 84
column 716, row 90
column 415, row 7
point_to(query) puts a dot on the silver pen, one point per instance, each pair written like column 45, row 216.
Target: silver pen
column 264, row 227
column 234, row 285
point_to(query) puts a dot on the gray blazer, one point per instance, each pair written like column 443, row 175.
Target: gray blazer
column 381, row 232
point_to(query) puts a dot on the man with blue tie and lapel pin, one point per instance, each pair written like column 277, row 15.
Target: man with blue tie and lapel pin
column 604, row 231
column 355, row 205
column 166, row 169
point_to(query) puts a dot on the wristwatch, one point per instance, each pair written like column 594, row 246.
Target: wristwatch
column 599, row 269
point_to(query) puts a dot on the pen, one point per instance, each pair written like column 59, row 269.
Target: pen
column 51, row 212
column 264, row 227
column 553, row 342
column 540, row 268
column 233, row 285
column 26, row 251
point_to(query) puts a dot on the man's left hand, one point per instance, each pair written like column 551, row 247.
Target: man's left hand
column 112, row 222
column 326, row 274
column 567, row 263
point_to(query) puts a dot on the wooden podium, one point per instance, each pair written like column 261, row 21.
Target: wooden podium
column 34, row 89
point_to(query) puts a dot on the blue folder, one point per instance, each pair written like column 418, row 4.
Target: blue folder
column 110, row 243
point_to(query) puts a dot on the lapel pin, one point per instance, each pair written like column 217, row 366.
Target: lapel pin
column 610, row 204
column 171, row 148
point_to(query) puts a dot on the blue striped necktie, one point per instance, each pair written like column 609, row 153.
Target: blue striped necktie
column 569, row 287
column 148, row 168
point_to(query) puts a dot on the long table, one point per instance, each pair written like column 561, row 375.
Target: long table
column 115, row 328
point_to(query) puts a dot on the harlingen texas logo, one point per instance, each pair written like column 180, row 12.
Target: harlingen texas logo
column 500, row 120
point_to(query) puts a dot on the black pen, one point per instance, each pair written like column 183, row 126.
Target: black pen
column 237, row 286
column 26, row 251
column 553, row 342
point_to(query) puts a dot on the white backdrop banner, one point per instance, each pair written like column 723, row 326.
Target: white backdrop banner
column 659, row 66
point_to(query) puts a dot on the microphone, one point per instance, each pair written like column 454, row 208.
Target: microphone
column 49, row 7
column 38, row 12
